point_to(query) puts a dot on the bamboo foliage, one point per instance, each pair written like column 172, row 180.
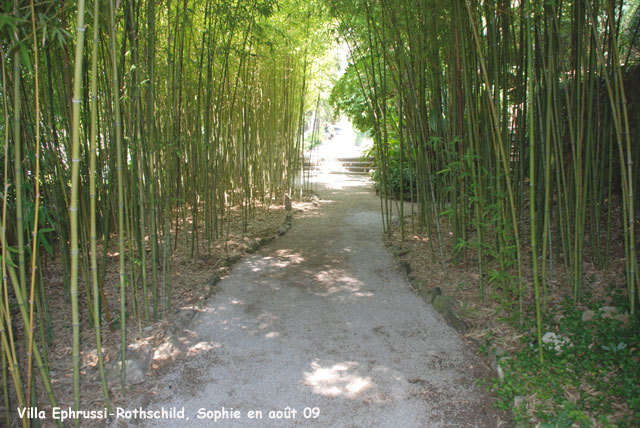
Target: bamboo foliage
column 510, row 120
column 170, row 120
column 506, row 108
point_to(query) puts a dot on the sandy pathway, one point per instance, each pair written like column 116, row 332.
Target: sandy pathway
column 320, row 320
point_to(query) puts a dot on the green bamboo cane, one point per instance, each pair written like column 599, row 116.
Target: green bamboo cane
column 503, row 155
column 120, row 176
column 17, row 161
column 34, row 234
column 532, row 181
column 93, row 98
column 73, row 204
column 6, row 334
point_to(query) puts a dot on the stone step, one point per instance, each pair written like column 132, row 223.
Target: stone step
column 357, row 168
column 348, row 172
column 341, row 165
column 359, row 164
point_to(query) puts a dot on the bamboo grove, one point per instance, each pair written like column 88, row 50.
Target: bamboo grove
column 144, row 122
column 510, row 121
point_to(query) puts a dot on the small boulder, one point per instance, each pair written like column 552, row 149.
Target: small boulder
column 168, row 350
column 588, row 315
column 500, row 372
column 433, row 293
column 406, row 267
column 283, row 229
column 214, row 280
column 495, row 356
column 612, row 312
column 442, row 303
column 138, row 358
column 399, row 251
column 265, row 241
column 182, row 320
column 518, row 401
column 416, row 284
column 556, row 341
column 232, row 259
column 444, row 306
column 253, row 247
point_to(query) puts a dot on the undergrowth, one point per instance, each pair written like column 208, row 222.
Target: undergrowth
column 593, row 381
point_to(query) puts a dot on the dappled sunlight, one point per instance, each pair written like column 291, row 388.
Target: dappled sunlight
column 328, row 159
column 266, row 320
column 186, row 344
column 282, row 259
column 331, row 181
column 341, row 379
column 201, row 347
column 338, row 281
column 193, row 307
column 335, row 281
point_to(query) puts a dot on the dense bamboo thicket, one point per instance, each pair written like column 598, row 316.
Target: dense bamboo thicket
column 144, row 122
column 510, row 121
column 132, row 125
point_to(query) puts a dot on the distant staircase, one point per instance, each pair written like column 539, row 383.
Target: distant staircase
column 357, row 165
column 340, row 166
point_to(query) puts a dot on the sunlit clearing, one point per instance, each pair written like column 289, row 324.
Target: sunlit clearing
column 339, row 379
column 342, row 143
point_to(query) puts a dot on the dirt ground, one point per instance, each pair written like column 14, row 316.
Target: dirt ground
column 190, row 279
column 320, row 328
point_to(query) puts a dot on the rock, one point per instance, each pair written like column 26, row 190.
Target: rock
column 495, row 356
column 588, row 315
column 196, row 297
column 500, row 372
column 405, row 266
column 416, row 284
column 214, row 280
column 283, row 229
column 556, row 341
column 287, row 202
column 232, row 259
column 606, row 312
column 444, row 306
column 265, row 241
column 433, row 293
column 168, row 350
column 253, row 247
column 287, row 218
column 399, row 251
column 454, row 321
column 623, row 318
column 612, row 312
column 518, row 401
column 138, row 358
column 442, row 303
column 182, row 320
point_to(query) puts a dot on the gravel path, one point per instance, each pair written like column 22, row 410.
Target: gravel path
column 319, row 322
